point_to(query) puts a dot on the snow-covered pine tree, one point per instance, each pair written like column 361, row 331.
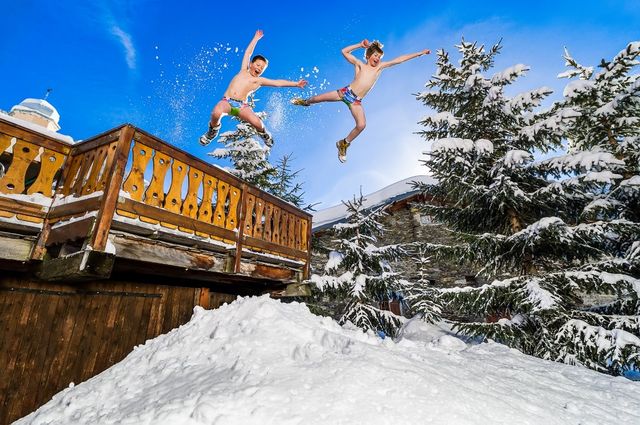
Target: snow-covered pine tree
column 521, row 228
column 482, row 161
column 248, row 156
column 359, row 272
column 422, row 297
column 603, row 162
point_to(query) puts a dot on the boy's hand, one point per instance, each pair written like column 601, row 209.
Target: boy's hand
column 258, row 35
column 425, row 52
column 364, row 43
column 300, row 84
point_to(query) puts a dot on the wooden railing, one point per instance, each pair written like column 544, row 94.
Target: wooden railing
column 127, row 178
column 30, row 163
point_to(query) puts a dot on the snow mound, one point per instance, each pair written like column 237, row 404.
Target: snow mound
column 260, row 361
column 439, row 337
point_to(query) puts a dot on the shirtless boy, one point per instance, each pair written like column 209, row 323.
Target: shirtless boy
column 366, row 76
column 245, row 82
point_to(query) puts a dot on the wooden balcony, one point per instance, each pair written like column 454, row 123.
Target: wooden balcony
column 126, row 200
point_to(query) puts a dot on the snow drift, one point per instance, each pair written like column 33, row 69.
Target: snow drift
column 260, row 361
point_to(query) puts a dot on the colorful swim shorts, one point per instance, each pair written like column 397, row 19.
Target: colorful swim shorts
column 236, row 105
column 348, row 96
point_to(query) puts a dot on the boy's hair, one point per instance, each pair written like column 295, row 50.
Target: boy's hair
column 374, row 47
column 260, row 57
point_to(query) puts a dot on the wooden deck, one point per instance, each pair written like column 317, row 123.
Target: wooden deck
column 112, row 241
column 126, row 195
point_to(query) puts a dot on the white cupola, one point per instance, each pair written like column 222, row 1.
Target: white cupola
column 37, row 111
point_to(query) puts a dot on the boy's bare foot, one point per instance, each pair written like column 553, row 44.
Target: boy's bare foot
column 211, row 134
column 300, row 101
column 342, row 146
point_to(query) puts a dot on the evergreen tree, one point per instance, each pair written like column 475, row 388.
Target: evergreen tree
column 522, row 229
column 423, row 297
column 283, row 184
column 603, row 162
column 358, row 271
column 250, row 160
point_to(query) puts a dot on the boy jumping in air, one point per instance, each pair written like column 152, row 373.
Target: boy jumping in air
column 245, row 82
column 366, row 76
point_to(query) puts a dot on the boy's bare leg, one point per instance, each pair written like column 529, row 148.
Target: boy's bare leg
column 330, row 96
column 358, row 115
column 221, row 109
column 247, row 115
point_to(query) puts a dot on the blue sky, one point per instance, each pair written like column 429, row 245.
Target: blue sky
column 162, row 65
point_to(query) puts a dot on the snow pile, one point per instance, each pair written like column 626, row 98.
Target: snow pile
column 259, row 361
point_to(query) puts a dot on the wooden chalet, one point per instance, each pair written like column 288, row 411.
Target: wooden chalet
column 112, row 241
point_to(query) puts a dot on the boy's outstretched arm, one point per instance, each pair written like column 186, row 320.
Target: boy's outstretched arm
column 346, row 52
column 282, row 83
column 404, row 58
column 249, row 52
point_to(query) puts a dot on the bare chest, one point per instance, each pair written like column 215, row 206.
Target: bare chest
column 368, row 73
column 243, row 84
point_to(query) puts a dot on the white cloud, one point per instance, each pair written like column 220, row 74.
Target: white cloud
column 125, row 39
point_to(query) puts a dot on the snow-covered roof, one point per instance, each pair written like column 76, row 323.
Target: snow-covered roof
column 40, row 107
column 37, row 128
column 392, row 193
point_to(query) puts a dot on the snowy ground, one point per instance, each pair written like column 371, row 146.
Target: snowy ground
column 259, row 361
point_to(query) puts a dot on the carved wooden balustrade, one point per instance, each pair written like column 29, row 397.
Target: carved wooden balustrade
column 29, row 165
column 130, row 192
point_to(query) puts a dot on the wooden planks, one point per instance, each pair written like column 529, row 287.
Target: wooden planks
column 54, row 334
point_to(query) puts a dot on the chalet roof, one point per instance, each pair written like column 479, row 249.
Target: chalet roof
column 398, row 191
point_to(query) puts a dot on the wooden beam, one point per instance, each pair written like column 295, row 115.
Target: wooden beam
column 14, row 248
column 203, row 298
column 95, row 142
column 79, row 229
column 72, row 208
column 250, row 242
column 307, row 268
column 22, row 207
column 26, row 134
column 112, row 189
column 154, row 252
column 293, row 290
column 82, row 265
column 273, row 272
column 22, row 227
column 240, row 228
column 148, row 211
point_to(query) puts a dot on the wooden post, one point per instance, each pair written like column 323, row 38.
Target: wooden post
column 203, row 298
column 307, row 267
column 115, row 176
column 240, row 227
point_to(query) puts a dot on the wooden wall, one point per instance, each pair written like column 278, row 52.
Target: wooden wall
column 54, row 334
